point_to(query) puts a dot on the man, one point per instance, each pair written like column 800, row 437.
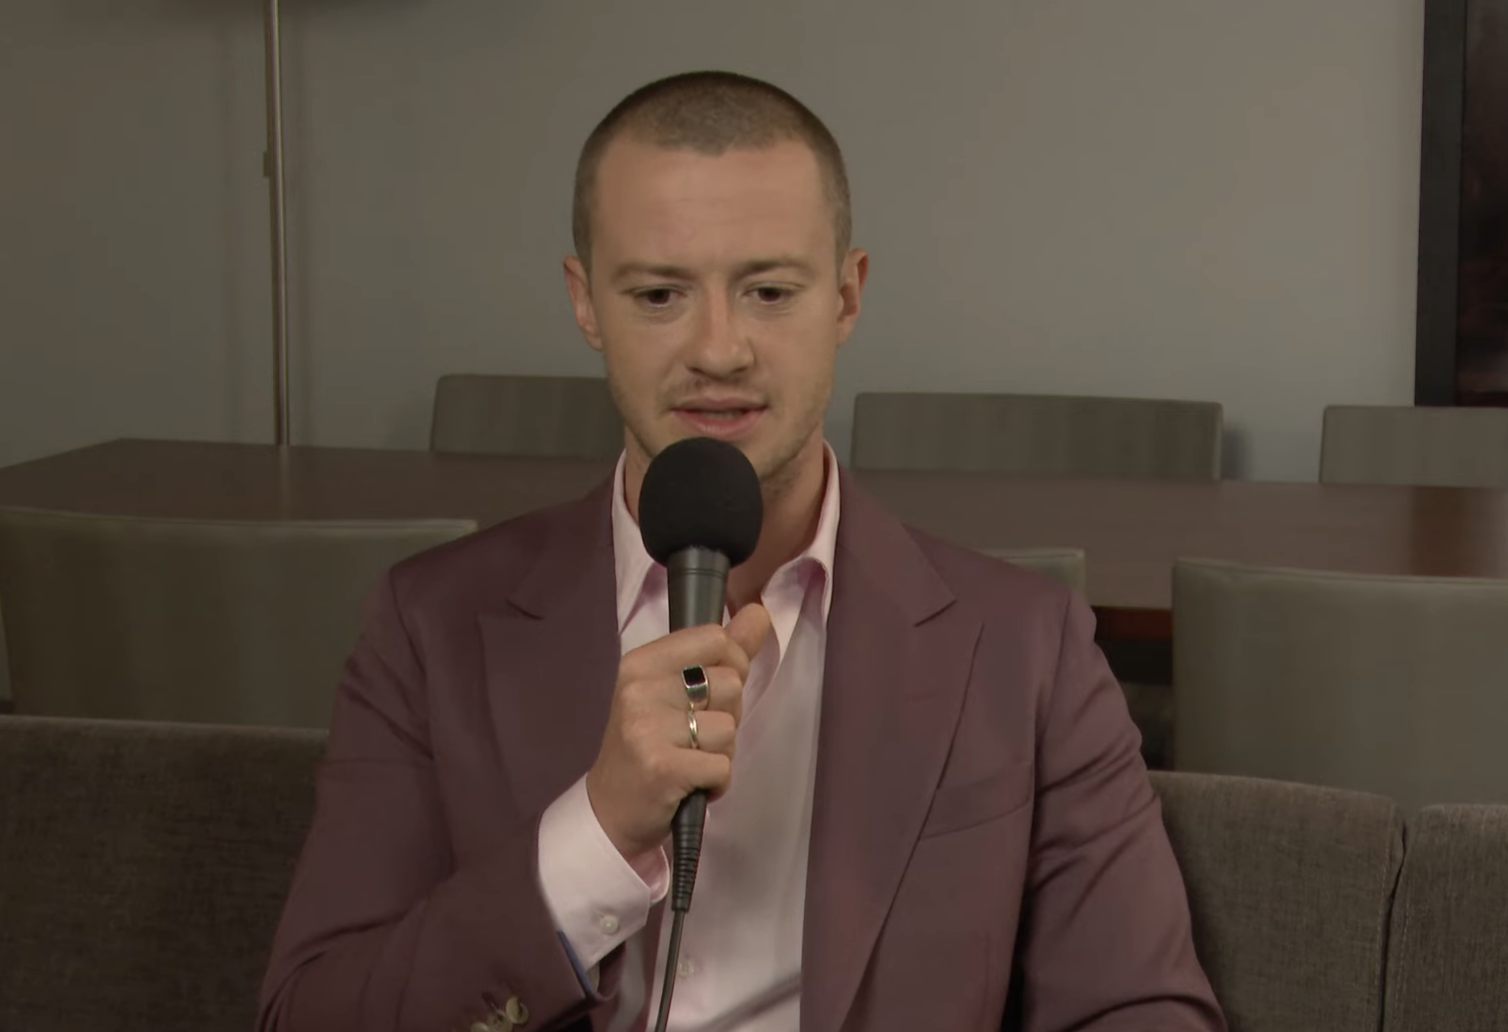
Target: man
column 935, row 815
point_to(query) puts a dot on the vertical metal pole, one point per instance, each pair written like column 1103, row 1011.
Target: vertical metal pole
column 273, row 169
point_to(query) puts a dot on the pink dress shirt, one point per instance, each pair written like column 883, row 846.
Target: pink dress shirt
column 740, row 967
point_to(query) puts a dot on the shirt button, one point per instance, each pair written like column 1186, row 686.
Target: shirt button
column 608, row 923
column 686, row 968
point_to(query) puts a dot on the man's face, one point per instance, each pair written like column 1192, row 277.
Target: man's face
column 716, row 299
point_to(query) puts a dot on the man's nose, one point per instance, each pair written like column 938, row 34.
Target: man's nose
column 719, row 347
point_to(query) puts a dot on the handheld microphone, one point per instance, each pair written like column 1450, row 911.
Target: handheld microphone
column 700, row 511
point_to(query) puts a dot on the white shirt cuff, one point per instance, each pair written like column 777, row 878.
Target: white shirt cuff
column 598, row 898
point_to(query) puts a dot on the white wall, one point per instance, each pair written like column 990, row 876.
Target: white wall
column 1166, row 198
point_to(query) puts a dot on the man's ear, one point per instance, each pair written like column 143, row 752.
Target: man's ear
column 580, row 290
column 851, row 290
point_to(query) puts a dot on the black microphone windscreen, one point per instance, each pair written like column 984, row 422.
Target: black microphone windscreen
column 700, row 492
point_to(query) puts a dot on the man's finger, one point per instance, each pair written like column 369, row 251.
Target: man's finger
column 706, row 646
column 725, row 691
column 749, row 628
column 716, row 733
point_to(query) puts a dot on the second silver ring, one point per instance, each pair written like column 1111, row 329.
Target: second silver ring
column 696, row 738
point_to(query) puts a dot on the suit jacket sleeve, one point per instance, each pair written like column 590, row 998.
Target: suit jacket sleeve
column 382, row 930
column 1107, row 943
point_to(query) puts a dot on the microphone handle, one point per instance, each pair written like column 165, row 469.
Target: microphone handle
column 686, row 848
column 697, row 583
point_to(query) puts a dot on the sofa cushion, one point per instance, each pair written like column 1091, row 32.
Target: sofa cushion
column 1289, row 887
column 1448, row 959
column 142, row 870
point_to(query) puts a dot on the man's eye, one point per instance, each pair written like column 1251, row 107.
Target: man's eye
column 656, row 297
column 771, row 295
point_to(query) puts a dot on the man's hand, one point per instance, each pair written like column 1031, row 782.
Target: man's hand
column 646, row 764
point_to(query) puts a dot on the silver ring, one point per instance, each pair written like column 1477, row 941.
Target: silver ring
column 696, row 738
column 698, row 690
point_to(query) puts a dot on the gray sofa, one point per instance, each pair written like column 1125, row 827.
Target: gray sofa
column 142, row 868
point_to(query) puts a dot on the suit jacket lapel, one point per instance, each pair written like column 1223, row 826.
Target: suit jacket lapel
column 552, row 655
column 898, row 658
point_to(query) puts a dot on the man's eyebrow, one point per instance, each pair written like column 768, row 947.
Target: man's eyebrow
column 763, row 265
column 650, row 270
column 754, row 267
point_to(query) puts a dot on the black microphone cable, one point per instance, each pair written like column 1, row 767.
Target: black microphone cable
column 686, row 839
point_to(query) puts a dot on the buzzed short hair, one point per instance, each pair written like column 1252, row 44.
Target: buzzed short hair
column 710, row 113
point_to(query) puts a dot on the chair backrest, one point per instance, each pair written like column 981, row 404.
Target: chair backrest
column 1448, row 954
column 142, row 870
column 1405, row 444
column 200, row 620
column 1290, row 888
column 1065, row 565
column 1383, row 684
column 547, row 416
column 1038, row 435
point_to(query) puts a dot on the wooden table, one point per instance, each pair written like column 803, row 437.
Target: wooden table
column 1131, row 530
column 201, row 480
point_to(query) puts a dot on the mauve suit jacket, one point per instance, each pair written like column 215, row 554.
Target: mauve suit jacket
column 982, row 827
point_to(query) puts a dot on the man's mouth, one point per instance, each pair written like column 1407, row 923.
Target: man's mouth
column 725, row 421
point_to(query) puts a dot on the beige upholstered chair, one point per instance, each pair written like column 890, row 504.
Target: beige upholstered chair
column 1038, row 435
column 1396, row 685
column 548, row 416
column 190, row 620
column 1061, row 564
column 1404, row 444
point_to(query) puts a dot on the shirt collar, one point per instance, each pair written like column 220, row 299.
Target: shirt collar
column 637, row 573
